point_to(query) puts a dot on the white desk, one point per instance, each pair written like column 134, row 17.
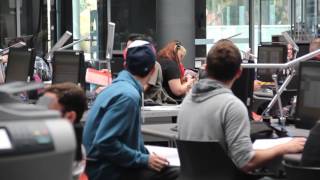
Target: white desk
column 160, row 111
column 160, row 132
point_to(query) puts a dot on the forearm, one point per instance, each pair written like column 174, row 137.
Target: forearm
column 261, row 157
column 122, row 155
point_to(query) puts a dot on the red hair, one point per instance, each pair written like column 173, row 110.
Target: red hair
column 170, row 52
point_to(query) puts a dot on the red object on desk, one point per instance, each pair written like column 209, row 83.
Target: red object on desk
column 99, row 77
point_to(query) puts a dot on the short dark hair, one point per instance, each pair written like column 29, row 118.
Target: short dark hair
column 223, row 60
column 143, row 37
column 71, row 97
column 134, row 36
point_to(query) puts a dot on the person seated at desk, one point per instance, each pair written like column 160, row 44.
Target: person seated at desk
column 174, row 82
column 221, row 116
column 153, row 90
column 112, row 134
column 70, row 100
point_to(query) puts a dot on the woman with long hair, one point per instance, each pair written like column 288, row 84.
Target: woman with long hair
column 170, row 59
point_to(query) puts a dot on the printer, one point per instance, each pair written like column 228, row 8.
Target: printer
column 35, row 143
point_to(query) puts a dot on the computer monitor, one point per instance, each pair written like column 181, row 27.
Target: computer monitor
column 68, row 66
column 243, row 87
column 20, row 64
column 303, row 49
column 270, row 53
column 308, row 102
column 116, row 63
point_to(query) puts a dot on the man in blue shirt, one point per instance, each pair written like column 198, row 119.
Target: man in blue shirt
column 112, row 134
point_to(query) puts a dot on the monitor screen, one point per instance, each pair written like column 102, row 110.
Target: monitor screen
column 243, row 87
column 308, row 103
column 273, row 53
column 68, row 66
column 116, row 64
column 303, row 49
column 20, row 64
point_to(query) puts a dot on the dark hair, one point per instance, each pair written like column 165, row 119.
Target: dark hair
column 71, row 97
column 223, row 60
column 136, row 36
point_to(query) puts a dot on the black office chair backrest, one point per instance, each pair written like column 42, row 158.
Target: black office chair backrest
column 206, row 160
column 296, row 172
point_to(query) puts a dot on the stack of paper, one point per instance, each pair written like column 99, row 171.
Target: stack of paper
column 171, row 154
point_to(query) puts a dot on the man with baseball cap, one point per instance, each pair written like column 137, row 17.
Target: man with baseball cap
column 112, row 134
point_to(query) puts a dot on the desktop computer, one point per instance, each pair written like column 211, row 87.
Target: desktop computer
column 68, row 66
column 20, row 64
column 116, row 63
column 308, row 102
column 243, row 87
column 303, row 49
column 270, row 53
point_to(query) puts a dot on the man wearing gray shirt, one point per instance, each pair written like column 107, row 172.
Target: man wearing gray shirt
column 211, row 112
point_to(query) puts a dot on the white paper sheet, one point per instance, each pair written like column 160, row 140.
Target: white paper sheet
column 170, row 153
column 261, row 144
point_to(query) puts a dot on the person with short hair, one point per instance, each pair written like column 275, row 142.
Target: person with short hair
column 112, row 134
column 221, row 116
column 174, row 82
column 67, row 98
column 70, row 100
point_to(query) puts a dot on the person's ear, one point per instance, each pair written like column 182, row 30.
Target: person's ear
column 239, row 72
column 71, row 116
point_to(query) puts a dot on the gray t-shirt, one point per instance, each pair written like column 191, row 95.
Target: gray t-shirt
column 212, row 113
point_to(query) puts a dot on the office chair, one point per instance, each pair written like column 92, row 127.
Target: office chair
column 297, row 172
column 206, row 161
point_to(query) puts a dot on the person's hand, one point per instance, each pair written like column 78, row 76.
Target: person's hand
column 5, row 59
column 296, row 145
column 156, row 162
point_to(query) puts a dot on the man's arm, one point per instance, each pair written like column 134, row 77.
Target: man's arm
column 261, row 157
column 114, row 124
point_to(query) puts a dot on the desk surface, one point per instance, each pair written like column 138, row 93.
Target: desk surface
column 165, row 130
column 160, row 111
column 160, row 130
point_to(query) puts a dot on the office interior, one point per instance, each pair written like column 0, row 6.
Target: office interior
column 55, row 30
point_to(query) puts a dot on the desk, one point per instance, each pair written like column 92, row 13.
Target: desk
column 160, row 111
column 295, row 132
column 161, row 131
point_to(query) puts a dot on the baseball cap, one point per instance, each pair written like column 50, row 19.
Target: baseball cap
column 141, row 57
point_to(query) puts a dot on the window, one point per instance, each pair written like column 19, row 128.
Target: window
column 226, row 18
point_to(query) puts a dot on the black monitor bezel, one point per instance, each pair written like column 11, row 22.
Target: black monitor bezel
column 302, row 121
column 32, row 56
column 81, row 64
